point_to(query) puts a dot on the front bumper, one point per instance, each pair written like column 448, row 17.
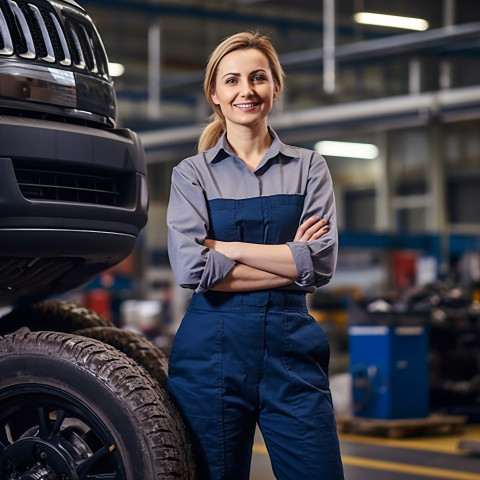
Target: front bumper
column 73, row 200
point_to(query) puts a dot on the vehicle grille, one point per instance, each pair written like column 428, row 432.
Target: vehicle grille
column 34, row 30
column 98, row 188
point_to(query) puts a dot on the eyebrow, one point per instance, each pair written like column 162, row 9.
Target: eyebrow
column 251, row 73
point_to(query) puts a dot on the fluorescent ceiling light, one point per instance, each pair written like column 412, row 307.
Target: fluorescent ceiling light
column 116, row 69
column 395, row 21
column 347, row 149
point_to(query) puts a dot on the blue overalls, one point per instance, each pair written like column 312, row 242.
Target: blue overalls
column 239, row 359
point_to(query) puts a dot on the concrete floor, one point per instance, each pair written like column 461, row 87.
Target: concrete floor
column 378, row 458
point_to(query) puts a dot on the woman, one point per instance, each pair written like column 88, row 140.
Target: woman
column 251, row 224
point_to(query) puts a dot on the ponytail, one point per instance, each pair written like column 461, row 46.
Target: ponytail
column 211, row 133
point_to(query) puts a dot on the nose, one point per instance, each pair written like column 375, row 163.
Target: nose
column 246, row 90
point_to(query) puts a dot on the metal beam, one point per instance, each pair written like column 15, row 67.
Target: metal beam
column 154, row 71
column 200, row 11
column 445, row 105
column 406, row 43
column 329, row 46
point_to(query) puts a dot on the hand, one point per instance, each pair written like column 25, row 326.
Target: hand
column 228, row 249
column 209, row 243
column 311, row 229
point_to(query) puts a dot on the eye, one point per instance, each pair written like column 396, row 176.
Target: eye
column 231, row 80
column 259, row 78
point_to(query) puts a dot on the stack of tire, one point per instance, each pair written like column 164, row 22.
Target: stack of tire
column 82, row 399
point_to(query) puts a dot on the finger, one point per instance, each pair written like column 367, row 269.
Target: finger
column 310, row 221
column 302, row 229
column 321, row 232
column 316, row 227
column 315, row 231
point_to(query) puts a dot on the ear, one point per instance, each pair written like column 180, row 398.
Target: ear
column 276, row 91
column 214, row 97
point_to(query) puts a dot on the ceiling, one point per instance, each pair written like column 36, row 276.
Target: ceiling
column 372, row 62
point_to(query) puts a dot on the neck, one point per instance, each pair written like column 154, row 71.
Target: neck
column 249, row 144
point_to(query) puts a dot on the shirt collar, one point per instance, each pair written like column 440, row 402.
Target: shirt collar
column 223, row 150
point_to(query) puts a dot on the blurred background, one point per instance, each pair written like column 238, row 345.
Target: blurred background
column 393, row 103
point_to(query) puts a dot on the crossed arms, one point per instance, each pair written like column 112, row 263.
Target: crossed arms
column 260, row 266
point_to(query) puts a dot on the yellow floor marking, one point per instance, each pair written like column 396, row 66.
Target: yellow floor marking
column 418, row 470
column 437, row 443
column 261, row 449
column 422, row 471
column 430, row 444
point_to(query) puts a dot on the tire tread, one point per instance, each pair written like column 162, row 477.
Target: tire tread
column 140, row 395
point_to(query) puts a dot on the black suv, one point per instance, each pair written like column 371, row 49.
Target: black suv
column 79, row 398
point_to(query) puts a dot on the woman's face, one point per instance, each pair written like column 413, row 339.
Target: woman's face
column 244, row 87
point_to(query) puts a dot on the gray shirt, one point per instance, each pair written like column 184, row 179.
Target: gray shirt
column 219, row 173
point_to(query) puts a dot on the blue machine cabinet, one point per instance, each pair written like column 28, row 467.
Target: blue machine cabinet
column 389, row 367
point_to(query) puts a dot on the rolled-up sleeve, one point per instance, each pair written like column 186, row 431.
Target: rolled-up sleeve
column 194, row 266
column 316, row 260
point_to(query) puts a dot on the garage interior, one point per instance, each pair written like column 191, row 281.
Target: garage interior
column 402, row 312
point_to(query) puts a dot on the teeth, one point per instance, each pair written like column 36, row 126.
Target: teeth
column 246, row 105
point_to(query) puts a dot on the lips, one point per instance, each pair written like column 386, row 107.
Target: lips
column 246, row 106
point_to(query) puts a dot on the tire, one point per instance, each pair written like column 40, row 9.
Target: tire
column 52, row 315
column 73, row 408
column 135, row 346
column 152, row 359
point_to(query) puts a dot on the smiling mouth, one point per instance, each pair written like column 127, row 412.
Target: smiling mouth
column 246, row 105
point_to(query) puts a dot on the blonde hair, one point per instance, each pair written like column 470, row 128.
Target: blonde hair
column 240, row 41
